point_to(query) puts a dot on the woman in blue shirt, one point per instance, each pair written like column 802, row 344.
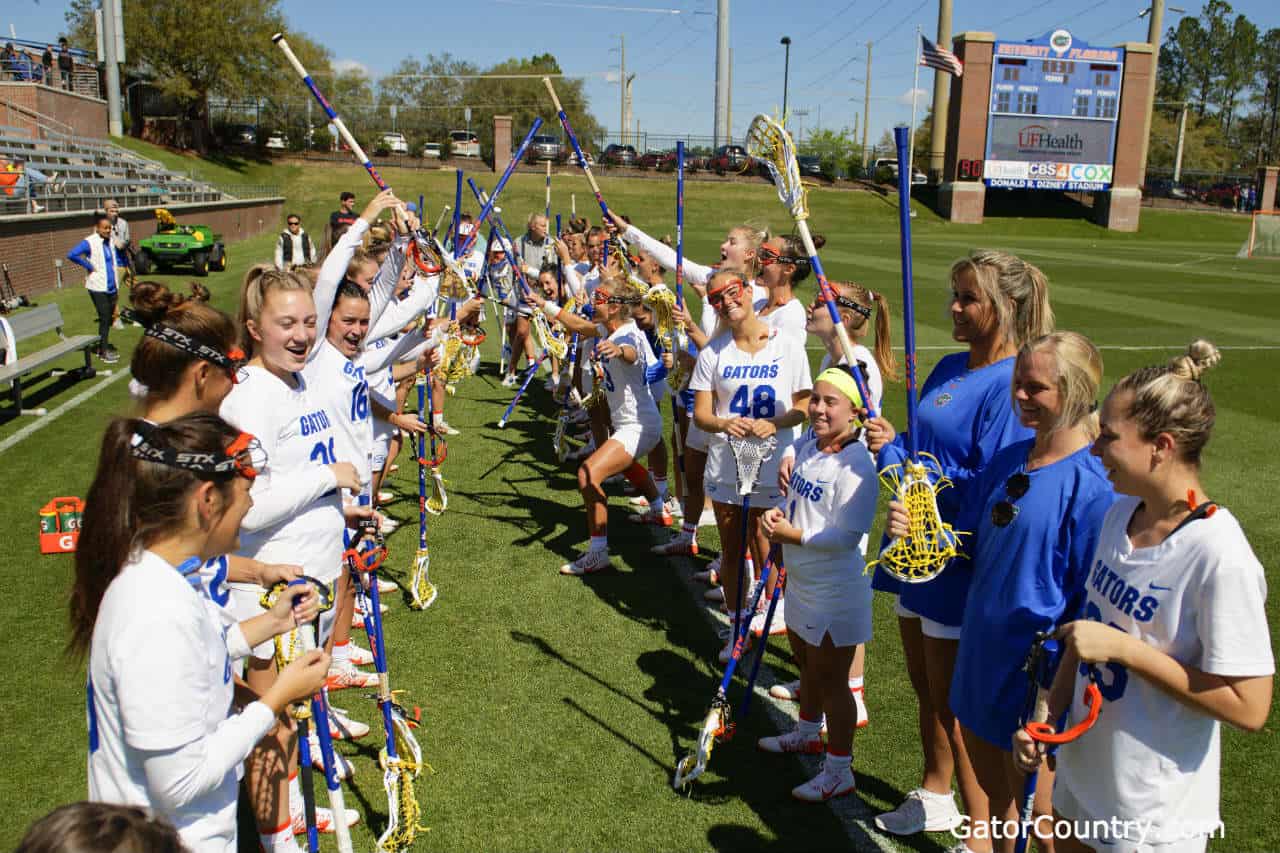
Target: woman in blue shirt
column 999, row 302
column 1035, row 512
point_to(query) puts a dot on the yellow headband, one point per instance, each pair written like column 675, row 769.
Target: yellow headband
column 843, row 381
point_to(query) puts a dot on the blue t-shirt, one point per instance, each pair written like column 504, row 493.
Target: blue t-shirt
column 965, row 416
column 1028, row 576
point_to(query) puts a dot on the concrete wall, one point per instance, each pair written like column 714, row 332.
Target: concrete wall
column 29, row 245
column 86, row 116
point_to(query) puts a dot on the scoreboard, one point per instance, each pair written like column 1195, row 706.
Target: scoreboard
column 1051, row 121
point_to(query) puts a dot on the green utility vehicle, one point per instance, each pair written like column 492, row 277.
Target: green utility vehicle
column 177, row 245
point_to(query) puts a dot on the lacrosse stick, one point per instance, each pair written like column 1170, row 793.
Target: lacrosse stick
column 488, row 206
column 930, row 542
column 401, row 757
column 439, row 498
column 422, row 591
column 775, row 557
column 548, row 206
column 562, row 423
column 457, row 212
column 288, row 646
column 1037, row 667
column 444, row 211
column 528, row 377
column 717, row 725
column 550, row 344
column 769, row 141
column 577, row 149
column 749, row 455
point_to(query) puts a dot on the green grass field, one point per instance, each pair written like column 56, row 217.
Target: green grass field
column 555, row 708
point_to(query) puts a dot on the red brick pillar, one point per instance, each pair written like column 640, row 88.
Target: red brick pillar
column 1268, row 177
column 501, row 143
column 1118, row 208
column 962, row 197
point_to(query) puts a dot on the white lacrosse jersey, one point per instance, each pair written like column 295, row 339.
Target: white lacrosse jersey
column 831, row 498
column 1198, row 597
column 789, row 319
column 159, row 679
column 339, row 383
column 296, row 516
column 624, row 384
column 750, row 385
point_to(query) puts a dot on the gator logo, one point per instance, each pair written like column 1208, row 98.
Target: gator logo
column 942, row 399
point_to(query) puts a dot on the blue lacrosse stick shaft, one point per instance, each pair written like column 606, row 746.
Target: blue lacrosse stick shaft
column 577, row 149
column 320, row 713
column 740, row 639
column 457, row 213
column 775, row 559
column 422, row 466
column 516, row 264
column 901, row 136
column 680, row 222
column 742, row 565
column 530, row 372
column 487, row 207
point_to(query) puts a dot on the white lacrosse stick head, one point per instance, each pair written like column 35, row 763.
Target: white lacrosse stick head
column 769, row 142
column 423, row 591
column 694, row 764
column 749, row 455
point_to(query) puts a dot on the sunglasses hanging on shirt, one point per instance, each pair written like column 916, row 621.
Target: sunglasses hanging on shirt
column 1005, row 511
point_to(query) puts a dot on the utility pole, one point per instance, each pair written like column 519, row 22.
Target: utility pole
column 1155, row 28
column 113, row 53
column 786, row 73
column 728, row 124
column 721, row 128
column 855, row 126
column 866, row 109
column 941, row 97
column 622, row 87
column 1182, row 135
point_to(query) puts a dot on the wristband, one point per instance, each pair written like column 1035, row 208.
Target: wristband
column 551, row 309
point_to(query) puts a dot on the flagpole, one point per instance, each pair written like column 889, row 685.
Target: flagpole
column 915, row 88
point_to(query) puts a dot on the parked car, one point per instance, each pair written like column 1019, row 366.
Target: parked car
column 729, row 158
column 660, row 160
column 277, row 142
column 432, row 151
column 545, row 148
column 242, row 134
column 810, row 166
column 465, row 143
column 395, row 143
column 619, row 155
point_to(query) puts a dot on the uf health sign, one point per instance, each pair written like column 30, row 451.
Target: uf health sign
column 1052, row 114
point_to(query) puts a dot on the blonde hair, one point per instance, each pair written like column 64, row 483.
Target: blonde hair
column 259, row 281
column 358, row 259
column 621, row 286
column 1077, row 363
column 379, row 238
column 1172, row 399
column 755, row 235
column 874, row 301
column 1017, row 290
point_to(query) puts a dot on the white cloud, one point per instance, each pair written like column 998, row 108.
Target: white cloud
column 345, row 66
column 905, row 97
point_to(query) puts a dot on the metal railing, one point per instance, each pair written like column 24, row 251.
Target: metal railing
column 46, row 124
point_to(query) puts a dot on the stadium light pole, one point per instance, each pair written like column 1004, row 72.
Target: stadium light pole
column 786, row 72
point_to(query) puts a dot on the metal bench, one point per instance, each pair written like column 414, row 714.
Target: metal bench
column 35, row 321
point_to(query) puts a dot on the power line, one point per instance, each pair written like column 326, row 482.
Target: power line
column 601, row 6
column 898, row 25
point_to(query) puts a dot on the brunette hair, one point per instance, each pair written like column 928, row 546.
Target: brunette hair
column 875, row 302
column 158, row 365
column 88, row 827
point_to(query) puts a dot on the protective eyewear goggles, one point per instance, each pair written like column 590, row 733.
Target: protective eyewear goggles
column 232, row 361
column 601, row 297
column 243, row 456
column 732, row 289
column 844, row 302
column 768, row 257
column 1005, row 511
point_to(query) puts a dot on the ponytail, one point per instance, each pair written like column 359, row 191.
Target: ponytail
column 158, row 365
column 260, row 281
column 856, row 320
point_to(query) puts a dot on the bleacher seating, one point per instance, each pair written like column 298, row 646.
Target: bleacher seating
column 80, row 172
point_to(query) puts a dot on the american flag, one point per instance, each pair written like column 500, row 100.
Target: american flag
column 939, row 58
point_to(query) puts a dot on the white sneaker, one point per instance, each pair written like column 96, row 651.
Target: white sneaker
column 117, row 324
column 681, row 545
column 921, row 811
column 342, row 677
column 342, row 727
column 789, row 692
column 588, row 563
column 777, row 626
column 673, row 506
column 386, row 587
column 385, row 497
column 359, row 656
column 442, row 426
column 324, row 819
column 509, row 381
column 830, row 783
column 792, row 741
column 654, row 515
column 345, row 768
column 387, row 525
column 638, row 501
column 707, row 518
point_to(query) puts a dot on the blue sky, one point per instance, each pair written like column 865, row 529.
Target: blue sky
column 673, row 54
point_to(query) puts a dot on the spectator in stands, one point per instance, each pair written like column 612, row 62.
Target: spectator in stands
column 294, row 247
column 96, row 254
column 66, row 64
column 346, row 214
column 46, row 63
column 9, row 62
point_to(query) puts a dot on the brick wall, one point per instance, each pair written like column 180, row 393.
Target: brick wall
column 30, row 244
column 86, row 116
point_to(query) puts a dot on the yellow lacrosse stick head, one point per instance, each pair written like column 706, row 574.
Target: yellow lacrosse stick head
column 930, row 542
column 662, row 302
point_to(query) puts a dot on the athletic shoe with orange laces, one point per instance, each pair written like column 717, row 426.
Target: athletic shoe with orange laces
column 653, row 515
column 792, row 741
column 324, row 820
column 340, row 678
column 359, row 656
column 832, row 782
column 680, row 545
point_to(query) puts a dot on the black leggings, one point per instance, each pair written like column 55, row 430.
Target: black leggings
column 105, row 305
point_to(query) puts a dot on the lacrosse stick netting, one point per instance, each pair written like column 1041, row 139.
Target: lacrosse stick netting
column 749, row 455
column 930, row 542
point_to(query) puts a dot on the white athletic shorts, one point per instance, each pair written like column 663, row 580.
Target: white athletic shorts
column 245, row 603
column 848, row 620
column 928, row 627
column 1092, row 829
column 381, row 445
column 696, row 438
column 637, row 439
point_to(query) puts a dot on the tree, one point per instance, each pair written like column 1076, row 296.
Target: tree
column 189, row 50
column 1237, row 67
column 837, row 151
